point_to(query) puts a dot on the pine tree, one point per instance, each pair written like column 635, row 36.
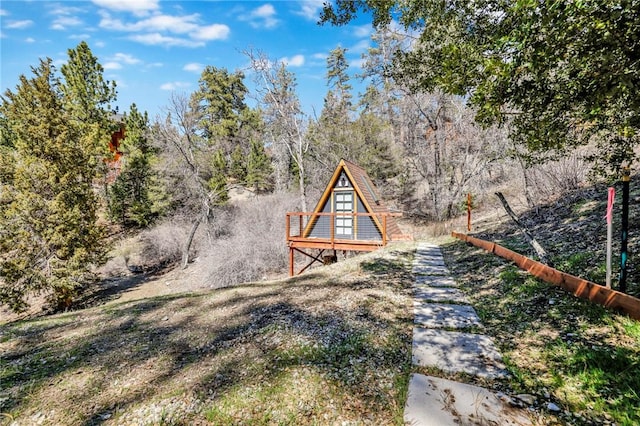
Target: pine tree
column 7, row 151
column 238, row 166
column 49, row 236
column 259, row 168
column 130, row 202
column 87, row 97
column 332, row 135
column 220, row 102
column 218, row 180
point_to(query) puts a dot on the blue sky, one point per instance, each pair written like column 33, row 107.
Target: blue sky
column 152, row 47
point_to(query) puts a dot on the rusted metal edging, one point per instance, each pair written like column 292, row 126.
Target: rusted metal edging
column 582, row 288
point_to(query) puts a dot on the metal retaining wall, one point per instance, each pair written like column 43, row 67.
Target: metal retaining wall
column 582, row 288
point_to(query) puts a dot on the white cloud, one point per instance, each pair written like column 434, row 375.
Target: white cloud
column 58, row 9
column 126, row 58
column 30, row 40
column 19, row 25
column 360, row 47
column 362, row 31
column 4, row 12
column 80, row 36
column 174, row 24
column 63, row 22
column 310, row 9
column 261, row 17
column 193, row 67
column 264, row 11
column 116, row 61
column 112, row 65
column 157, row 26
column 318, row 60
column 211, row 32
column 64, row 16
column 137, row 7
column 294, row 61
column 357, row 63
column 267, row 14
column 158, row 39
column 175, row 85
column 59, row 62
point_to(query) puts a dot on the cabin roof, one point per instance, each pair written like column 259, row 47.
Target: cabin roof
column 366, row 191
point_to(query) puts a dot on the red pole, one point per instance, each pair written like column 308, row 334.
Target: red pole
column 469, row 212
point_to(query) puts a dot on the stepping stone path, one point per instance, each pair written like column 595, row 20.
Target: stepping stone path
column 445, row 336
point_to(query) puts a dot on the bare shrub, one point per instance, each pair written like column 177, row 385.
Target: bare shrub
column 162, row 244
column 255, row 246
column 548, row 180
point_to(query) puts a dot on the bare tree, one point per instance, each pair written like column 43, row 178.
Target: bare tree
column 446, row 148
column 285, row 121
column 186, row 153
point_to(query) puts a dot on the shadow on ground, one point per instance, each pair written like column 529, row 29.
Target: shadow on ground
column 304, row 351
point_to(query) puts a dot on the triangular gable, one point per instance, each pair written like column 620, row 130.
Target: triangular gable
column 365, row 191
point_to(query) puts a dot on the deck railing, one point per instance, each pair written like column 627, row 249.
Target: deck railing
column 323, row 227
column 367, row 232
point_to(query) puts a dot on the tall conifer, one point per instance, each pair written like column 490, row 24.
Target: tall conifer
column 49, row 236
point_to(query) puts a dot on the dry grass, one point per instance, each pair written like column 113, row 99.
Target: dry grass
column 329, row 347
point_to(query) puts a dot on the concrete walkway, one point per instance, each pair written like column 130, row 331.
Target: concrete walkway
column 447, row 335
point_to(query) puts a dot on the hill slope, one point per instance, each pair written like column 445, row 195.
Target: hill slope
column 327, row 347
column 332, row 346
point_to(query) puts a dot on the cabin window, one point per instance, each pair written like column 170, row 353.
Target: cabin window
column 343, row 181
column 344, row 222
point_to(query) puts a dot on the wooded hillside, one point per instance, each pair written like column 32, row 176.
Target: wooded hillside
column 428, row 130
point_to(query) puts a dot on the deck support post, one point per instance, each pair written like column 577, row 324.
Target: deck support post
column 291, row 261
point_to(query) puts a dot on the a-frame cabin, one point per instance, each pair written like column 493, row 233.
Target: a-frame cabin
column 350, row 216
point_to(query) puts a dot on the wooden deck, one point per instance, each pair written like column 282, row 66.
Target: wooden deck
column 300, row 236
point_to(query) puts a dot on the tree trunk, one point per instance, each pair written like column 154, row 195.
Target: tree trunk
column 303, row 194
column 187, row 246
column 540, row 251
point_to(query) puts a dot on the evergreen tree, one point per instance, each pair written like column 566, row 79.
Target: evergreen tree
column 220, row 102
column 218, row 180
column 7, row 151
column 338, row 79
column 225, row 121
column 49, row 237
column 259, row 167
column 87, row 97
column 130, row 202
column 332, row 136
column 238, row 166
column 372, row 147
